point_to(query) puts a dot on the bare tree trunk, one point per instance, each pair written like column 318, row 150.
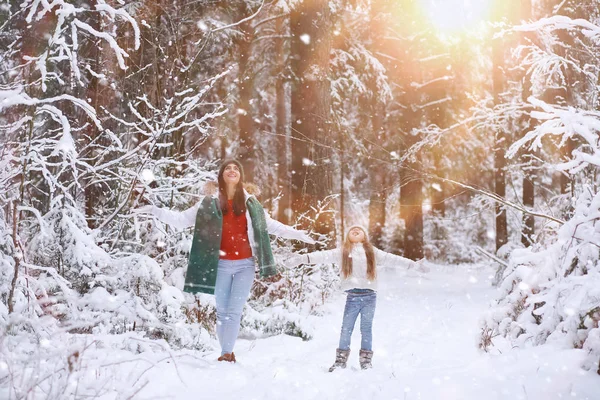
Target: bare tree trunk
column 528, row 201
column 247, row 150
column 528, row 229
column 411, row 191
column 500, row 143
column 92, row 191
column 312, row 162
column 378, row 196
column 377, row 213
column 282, row 111
column 342, row 144
column 575, row 10
column 411, row 210
column 437, row 116
column 178, row 148
column 378, row 173
column 438, row 192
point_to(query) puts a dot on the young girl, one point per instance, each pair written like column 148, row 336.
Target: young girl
column 359, row 260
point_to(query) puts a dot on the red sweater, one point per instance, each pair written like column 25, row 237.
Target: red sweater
column 234, row 238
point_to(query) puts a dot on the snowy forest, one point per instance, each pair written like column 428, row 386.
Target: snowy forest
column 464, row 133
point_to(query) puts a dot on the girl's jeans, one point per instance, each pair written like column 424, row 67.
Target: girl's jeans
column 359, row 301
column 234, row 280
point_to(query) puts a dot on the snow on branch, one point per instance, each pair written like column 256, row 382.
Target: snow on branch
column 64, row 42
column 119, row 52
column 17, row 97
column 102, row 6
column 557, row 22
column 564, row 122
column 248, row 18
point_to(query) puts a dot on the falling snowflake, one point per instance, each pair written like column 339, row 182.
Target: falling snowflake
column 305, row 38
column 148, row 176
column 307, row 162
column 202, row 26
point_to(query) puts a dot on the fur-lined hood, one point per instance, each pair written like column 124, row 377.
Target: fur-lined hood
column 211, row 188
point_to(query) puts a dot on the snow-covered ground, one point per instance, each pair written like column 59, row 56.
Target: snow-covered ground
column 425, row 347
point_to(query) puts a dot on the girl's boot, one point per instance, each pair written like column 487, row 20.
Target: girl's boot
column 341, row 358
column 365, row 357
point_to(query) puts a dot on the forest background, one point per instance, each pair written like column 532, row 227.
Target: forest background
column 459, row 132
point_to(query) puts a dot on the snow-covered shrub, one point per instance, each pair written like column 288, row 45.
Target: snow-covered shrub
column 63, row 366
column 550, row 292
column 70, row 177
column 456, row 236
column 65, row 243
column 553, row 294
column 281, row 304
column 7, row 269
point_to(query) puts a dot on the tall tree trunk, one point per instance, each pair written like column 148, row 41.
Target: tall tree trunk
column 377, row 172
column 411, row 191
column 342, row 201
column 528, row 229
column 247, row 149
column 411, row 211
column 378, row 196
column 437, row 115
column 178, row 148
column 438, row 192
column 312, row 163
column 159, row 65
column 92, row 191
column 501, row 139
column 377, row 213
column 528, row 201
column 282, row 111
column 566, row 99
column 568, row 44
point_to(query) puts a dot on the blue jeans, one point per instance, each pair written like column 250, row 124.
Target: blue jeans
column 234, row 281
column 359, row 301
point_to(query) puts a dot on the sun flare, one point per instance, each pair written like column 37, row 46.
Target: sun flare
column 455, row 16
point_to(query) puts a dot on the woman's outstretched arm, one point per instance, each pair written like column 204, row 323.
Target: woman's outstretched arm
column 176, row 219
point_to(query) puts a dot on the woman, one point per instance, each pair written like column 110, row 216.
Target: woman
column 231, row 232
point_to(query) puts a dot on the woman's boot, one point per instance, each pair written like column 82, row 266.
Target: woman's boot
column 229, row 357
column 341, row 358
column 365, row 357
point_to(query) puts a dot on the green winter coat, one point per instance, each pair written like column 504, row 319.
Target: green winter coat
column 206, row 244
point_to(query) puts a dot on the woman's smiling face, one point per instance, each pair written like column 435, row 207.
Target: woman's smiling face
column 231, row 174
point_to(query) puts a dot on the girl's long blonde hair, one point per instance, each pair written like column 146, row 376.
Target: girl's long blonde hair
column 347, row 260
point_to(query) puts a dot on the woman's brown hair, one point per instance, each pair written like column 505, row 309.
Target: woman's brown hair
column 347, row 260
column 239, row 199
